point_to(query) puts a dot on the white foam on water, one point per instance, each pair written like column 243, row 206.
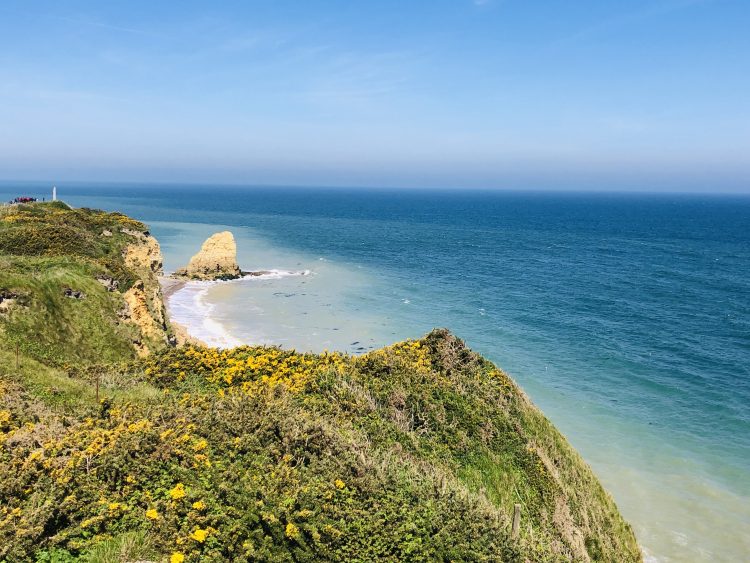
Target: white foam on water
column 648, row 557
column 188, row 306
column 272, row 275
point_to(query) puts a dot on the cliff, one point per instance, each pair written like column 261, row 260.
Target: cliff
column 87, row 282
column 415, row 452
column 216, row 260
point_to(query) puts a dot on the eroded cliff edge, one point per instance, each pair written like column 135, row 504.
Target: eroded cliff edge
column 85, row 281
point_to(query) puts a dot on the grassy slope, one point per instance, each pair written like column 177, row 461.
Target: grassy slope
column 46, row 248
column 414, row 452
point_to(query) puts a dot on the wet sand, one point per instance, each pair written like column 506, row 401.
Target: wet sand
column 169, row 286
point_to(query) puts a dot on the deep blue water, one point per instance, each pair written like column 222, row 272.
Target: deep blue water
column 626, row 317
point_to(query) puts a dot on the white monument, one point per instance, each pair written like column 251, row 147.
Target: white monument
column 54, row 193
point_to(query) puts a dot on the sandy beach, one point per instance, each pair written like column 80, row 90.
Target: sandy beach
column 169, row 286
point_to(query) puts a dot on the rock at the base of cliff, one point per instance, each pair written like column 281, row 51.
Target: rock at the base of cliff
column 216, row 260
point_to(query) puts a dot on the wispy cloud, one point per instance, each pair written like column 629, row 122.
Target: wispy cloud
column 647, row 11
column 82, row 21
column 358, row 78
column 101, row 25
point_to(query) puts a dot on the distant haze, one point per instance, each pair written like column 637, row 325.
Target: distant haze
column 646, row 95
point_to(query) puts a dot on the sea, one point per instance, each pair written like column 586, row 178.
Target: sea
column 625, row 317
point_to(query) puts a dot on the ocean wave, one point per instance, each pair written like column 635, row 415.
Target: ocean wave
column 273, row 274
column 189, row 307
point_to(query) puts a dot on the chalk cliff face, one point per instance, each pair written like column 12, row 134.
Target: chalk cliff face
column 217, row 259
column 144, row 305
column 145, row 253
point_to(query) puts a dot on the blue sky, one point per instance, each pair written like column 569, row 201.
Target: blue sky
column 554, row 94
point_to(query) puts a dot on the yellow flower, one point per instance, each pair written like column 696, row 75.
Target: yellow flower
column 292, row 531
column 339, row 484
column 114, row 506
column 177, row 557
column 178, row 492
column 199, row 505
column 152, row 514
column 199, row 535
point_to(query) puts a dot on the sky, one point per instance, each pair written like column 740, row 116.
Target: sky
column 515, row 94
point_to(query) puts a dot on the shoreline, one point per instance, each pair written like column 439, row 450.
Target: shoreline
column 192, row 318
column 169, row 287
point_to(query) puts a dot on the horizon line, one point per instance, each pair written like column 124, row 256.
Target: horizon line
column 339, row 187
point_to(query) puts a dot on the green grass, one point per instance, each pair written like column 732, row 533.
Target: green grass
column 54, row 229
column 124, row 548
column 72, row 391
column 48, row 248
column 59, row 329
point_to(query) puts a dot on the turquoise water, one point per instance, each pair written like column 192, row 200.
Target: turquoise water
column 626, row 318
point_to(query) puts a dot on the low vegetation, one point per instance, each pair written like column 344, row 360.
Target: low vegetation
column 67, row 273
column 415, row 452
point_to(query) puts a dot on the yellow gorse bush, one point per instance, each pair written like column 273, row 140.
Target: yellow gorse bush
column 409, row 354
column 291, row 531
column 249, row 369
column 224, row 378
column 252, row 369
column 70, row 457
column 177, row 492
column 199, row 535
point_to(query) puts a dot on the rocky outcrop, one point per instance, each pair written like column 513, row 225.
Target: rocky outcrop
column 73, row 293
column 140, row 311
column 216, row 260
column 7, row 300
column 143, row 254
column 109, row 283
column 144, row 304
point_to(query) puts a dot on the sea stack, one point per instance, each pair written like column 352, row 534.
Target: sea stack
column 216, row 260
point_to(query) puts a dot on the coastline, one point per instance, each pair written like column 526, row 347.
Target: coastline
column 193, row 313
column 192, row 317
column 410, row 365
column 669, row 486
column 169, row 287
